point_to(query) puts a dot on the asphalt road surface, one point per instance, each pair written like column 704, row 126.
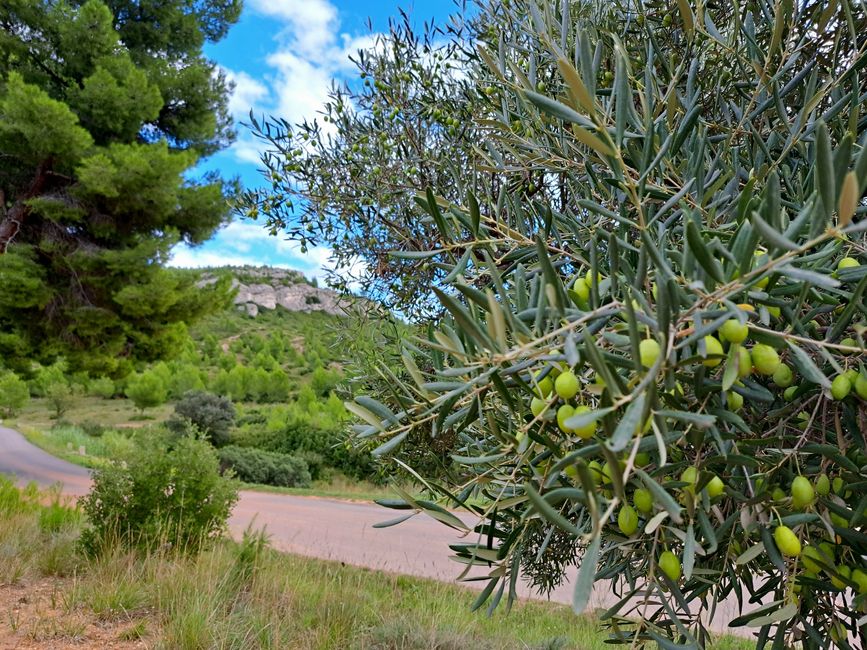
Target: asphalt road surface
column 329, row 529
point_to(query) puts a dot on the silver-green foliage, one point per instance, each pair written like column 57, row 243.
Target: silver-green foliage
column 686, row 169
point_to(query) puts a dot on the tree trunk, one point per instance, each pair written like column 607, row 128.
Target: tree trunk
column 14, row 219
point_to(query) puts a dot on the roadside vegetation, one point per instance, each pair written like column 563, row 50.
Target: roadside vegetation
column 238, row 595
column 263, row 390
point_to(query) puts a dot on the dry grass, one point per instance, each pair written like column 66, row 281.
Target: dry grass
column 110, row 413
column 240, row 596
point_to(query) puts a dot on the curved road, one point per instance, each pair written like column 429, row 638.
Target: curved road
column 323, row 528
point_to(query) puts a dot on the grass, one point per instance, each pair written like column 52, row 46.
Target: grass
column 246, row 596
column 109, row 413
column 68, row 441
column 338, row 486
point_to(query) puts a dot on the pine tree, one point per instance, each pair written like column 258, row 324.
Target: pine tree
column 104, row 108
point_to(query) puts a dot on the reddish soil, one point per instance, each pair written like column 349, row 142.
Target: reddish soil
column 34, row 615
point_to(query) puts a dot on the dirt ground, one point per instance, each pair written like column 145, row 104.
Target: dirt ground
column 35, row 615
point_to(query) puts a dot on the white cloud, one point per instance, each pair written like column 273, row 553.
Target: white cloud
column 185, row 257
column 311, row 24
column 248, row 92
column 310, row 52
column 243, row 243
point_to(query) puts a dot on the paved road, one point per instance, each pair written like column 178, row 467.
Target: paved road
column 324, row 528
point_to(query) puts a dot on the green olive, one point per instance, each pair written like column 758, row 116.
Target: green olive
column 567, row 385
column 765, row 359
column 715, row 487
column 802, row 493
column 538, row 406
column 564, row 413
column 627, row 520
column 670, row 565
column 787, row 541
column 783, row 376
column 841, row 387
column 649, row 351
column 714, row 350
column 734, row 331
column 823, row 485
column 589, row 429
column 643, row 501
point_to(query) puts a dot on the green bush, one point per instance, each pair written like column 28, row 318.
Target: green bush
column 324, row 381
column 159, row 495
column 265, row 467
column 93, row 429
column 315, row 463
column 102, row 387
column 147, row 390
column 185, row 378
column 14, row 394
column 290, row 430
column 59, row 395
column 211, row 414
column 45, row 376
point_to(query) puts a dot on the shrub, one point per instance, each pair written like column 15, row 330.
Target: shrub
column 93, row 429
column 315, row 463
column 323, row 381
column 301, row 436
column 265, row 467
column 102, row 387
column 59, row 395
column 147, row 390
column 46, row 376
column 279, row 386
column 185, row 378
column 160, row 494
column 212, row 415
column 14, row 394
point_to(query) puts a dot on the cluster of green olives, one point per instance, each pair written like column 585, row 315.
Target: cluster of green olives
column 560, row 393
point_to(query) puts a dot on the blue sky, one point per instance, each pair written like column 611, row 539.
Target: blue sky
column 282, row 56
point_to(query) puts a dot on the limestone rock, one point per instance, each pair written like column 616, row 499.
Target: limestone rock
column 261, row 288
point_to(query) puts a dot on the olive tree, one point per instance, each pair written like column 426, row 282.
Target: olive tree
column 650, row 363
column 346, row 178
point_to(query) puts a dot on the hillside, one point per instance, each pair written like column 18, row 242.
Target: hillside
column 277, row 355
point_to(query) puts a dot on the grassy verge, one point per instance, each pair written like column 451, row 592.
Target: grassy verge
column 244, row 596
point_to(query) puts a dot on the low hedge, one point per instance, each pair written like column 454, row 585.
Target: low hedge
column 265, row 467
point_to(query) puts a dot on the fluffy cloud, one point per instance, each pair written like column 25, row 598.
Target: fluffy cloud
column 243, row 243
column 247, row 92
column 310, row 24
column 310, row 52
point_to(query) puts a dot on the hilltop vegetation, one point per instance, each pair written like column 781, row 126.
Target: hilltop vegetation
column 278, row 372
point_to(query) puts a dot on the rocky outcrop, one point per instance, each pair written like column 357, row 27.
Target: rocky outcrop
column 294, row 297
column 264, row 287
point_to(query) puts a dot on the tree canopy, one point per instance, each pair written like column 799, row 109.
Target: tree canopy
column 647, row 270
column 104, row 110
